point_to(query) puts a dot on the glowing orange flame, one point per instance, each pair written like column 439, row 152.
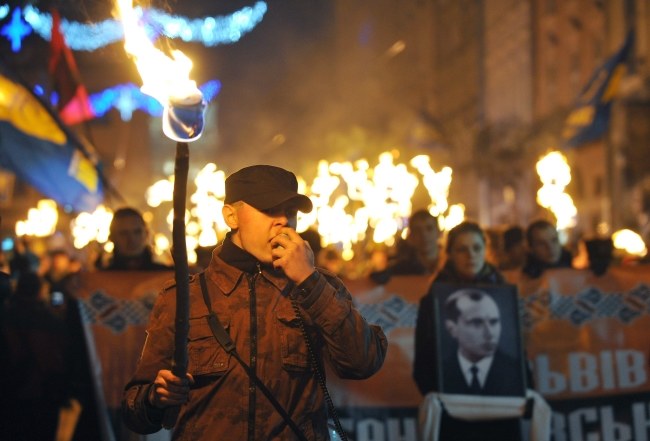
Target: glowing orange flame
column 164, row 78
column 555, row 173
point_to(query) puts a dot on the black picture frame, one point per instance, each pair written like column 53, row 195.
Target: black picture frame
column 506, row 375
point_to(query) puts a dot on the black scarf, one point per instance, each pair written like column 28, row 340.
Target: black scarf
column 240, row 258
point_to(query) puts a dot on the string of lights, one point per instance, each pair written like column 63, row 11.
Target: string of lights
column 127, row 98
column 210, row 31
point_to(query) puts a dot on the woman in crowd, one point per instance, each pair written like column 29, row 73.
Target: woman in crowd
column 465, row 264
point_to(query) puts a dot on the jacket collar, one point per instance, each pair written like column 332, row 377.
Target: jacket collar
column 230, row 264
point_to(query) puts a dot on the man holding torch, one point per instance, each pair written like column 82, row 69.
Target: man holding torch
column 262, row 323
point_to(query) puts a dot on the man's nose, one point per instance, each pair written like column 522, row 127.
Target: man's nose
column 281, row 221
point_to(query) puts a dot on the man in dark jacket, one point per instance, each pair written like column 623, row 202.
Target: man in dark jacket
column 284, row 317
column 545, row 250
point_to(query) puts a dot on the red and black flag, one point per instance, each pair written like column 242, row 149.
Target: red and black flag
column 73, row 105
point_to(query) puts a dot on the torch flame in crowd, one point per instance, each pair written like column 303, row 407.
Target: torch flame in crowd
column 41, row 221
column 350, row 199
column 437, row 184
column 630, row 242
column 89, row 227
column 555, row 174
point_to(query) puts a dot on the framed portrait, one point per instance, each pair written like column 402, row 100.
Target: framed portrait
column 479, row 341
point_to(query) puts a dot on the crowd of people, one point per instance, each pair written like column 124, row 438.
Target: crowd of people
column 41, row 327
column 42, row 339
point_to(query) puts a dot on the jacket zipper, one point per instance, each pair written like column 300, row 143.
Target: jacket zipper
column 253, row 352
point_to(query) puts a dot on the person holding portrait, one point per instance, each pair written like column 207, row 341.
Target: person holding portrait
column 465, row 266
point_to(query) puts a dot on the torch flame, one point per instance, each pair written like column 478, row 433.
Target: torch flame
column 629, row 241
column 555, row 173
column 164, row 78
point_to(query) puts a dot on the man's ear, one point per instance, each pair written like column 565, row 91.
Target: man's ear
column 451, row 327
column 229, row 213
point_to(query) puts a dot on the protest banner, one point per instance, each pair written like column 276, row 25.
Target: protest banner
column 115, row 308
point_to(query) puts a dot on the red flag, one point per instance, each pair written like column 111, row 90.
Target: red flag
column 74, row 105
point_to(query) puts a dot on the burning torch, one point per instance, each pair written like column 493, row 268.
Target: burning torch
column 167, row 79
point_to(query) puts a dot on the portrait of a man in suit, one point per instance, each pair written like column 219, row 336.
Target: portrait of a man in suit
column 474, row 363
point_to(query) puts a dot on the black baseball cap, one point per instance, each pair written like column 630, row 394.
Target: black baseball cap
column 265, row 187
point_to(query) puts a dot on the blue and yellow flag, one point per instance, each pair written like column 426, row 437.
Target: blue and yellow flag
column 589, row 119
column 36, row 147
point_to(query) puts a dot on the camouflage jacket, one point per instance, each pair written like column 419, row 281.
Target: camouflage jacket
column 257, row 312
